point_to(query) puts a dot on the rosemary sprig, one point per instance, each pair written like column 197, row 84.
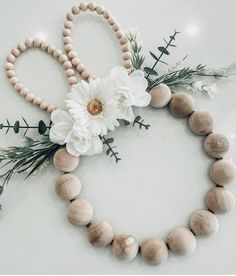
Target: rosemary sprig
column 110, row 151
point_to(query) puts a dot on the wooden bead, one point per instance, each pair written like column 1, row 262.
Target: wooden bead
column 67, row 40
column 85, row 75
column 44, row 105
column 100, row 233
column 57, row 53
column 72, row 54
column 37, row 101
column 18, row 86
column 21, row 46
column 63, row 58
column 15, row 52
column 80, row 212
column 100, row 10
column 125, row 48
column 29, row 42
column 160, row 95
column 72, row 80
column 68, row 24
column 123, row 40
column 14, row 80
column 44, row 45
column 11, row 73
column 70, row 16
column 181, row 105
column 80, row 68
column 11, row 58
column 9, row 66
column 67, row 65
column 204, row 223
column 83, row 6
column 68, row 47
column 126, row 55
column 75, row 10
column 181, row 241
column 64, row 161
column 154, row 251
column 115, row 27
column 30, row 97
column 125, row 247
column 92, row 6
column 68, row 186
column 70, row 72
column 222, row 172
column 66, row 32
column 119, row 34
column 24, row 91
column 127, row 64
column 51, row 49
column 51, row 108
column 111, row 20
column 220, row 200
column 216, row 145
column 37, row 42
column 201, row 122
column 75, row 61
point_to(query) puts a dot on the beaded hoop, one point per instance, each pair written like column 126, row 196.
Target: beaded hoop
column 50, row 49
column 68, row 43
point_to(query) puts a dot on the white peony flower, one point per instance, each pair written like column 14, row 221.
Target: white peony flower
column 131, row 90
column 94, row 105
column 78, row 140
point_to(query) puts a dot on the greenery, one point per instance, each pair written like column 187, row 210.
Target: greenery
column 110, row 151
column 138, row 121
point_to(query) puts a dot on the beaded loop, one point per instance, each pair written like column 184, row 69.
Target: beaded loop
column 19, row 87
column 68, row 43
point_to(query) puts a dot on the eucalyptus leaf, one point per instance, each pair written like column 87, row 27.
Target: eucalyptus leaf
column 150, row 71
column 42, row 127
column 163, row 50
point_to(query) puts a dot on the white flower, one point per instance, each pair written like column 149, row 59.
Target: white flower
column 197, row 86
column 78, row 140
column 131, row 90
column 211, row 90
column 94, row 105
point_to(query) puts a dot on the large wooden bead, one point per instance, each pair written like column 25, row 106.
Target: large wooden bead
column 160, row 95
column 64, row 161
column 154, row 251
column 201, row 122
column 222, row 172
column 204, row 223
column 80, row 212
column 181, row 105
column 100, row 233
column 125, row 247
column 220, row 200
column 68, row 186
column 181, row 241
column 216, row 145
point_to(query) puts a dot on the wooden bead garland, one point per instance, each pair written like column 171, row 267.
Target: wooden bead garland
column 68, row 43
column 19, row 87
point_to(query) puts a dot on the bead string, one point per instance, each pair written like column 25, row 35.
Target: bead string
column 68, row 43
column 50, row 49
column 181, row 240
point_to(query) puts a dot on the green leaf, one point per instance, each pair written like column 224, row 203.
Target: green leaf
column 150, row 71
column 154, row 56
column 137, row 118
column 42, row 127
column 109, row 140
column 16, row 127
column 108, row 151
column 163, row 50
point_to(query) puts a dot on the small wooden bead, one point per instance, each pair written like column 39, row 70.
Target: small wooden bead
column 119, row 34
column 220, row 200
column 100, row 10
column 75, row 10
column 126, row 55
column 72, row 54
column 15, row 52
column 83, row 6
column 68, row 24
column 80, row 68
column 30, row 97
column 18, row 86
column 68, row 47
column 29, row 42
column 123, row 40
column 11, row 73
column 216, row 145
column 125, row 247
column 115, row 27
column 111, row 20
column 37, row 42
column 127, row 64
column 51, row 108
column 11, row 58
column 154, row 251
column 14, row 80
column 181, row 241
column 92, row 6
column 80, row 212
column 57, row 53
column 72, row 80
column 21, row 46
column 75, row 61
column 68, row 186
column 44, row 45
column 100, row 233
column 70, row 16
column 201, row 122
column 222, row 172
column 51, row 49
column 37, row 101
column 70, row 72
column 44, row 105
column 85, row 74
column 160, row 95
column 67, row 40
column 204, row 223
column 64, row 161
column 66, row 32
column 63, row 58
column 125, row 48
column 181, row 105
column 24, row 91
column 67, row 65
column 9, row 66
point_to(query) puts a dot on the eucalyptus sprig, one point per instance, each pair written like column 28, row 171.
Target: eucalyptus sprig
column 138, row 121
column 110, row 151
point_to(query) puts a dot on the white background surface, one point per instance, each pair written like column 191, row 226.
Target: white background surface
column 162, row 178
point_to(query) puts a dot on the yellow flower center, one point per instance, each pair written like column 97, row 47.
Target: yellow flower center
column 94, row 107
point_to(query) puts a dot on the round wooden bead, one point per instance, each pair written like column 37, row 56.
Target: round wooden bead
column 181, row 241
column 67, row 65
column 154, row 251
column 181, row 105
column 30, row 97
column 100, row 10
column 9, row 66
column 68, row 24
column 160, row 95
column 126, row 55
column 15, row 52
column 204, row 223
column 37, row 42
column 51, row 49
column 68, row 186
column 29, row 42
column 100, row 233
column 75, row 10
column 92, row 6
column 66, row 32
column 68, row 47
column 44, row 45
column 64, row 161
column 11, row 58
column 125, row 247
column 119, row 34
column 14, row 80
column 222, row 172
column 57, row 53
column 80, row 67
column 70, row 72
column 21, row 46
column 85, row 74
column 70, row 16
column 216, row 145
column 201, row 122
column 37, row 101
column 220, row 200
column 72, row 54
column 115, row 27
column 127, row 64
column 24, row 91
column 18, row 86
column 63, row 58
column 83, row 6
column 125, row 48
column 123, row 40
column 51, row 108
column 80, row 212
column 72, row 80
column 111, row 20
column 11, row 73
column 44, row 105
column 67, row 40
